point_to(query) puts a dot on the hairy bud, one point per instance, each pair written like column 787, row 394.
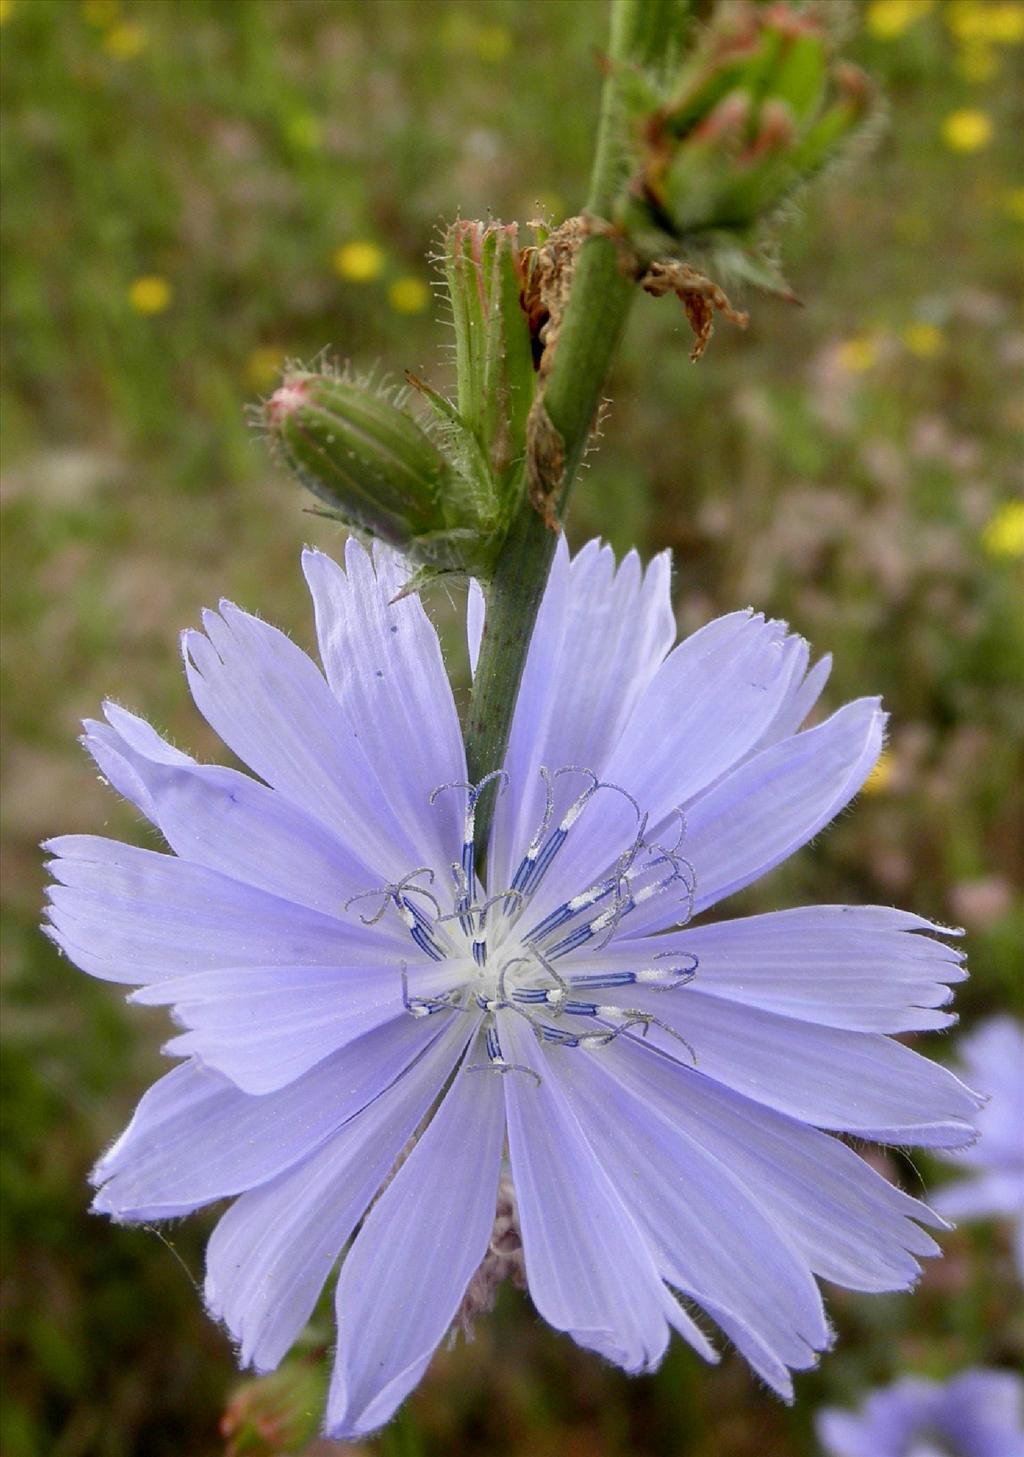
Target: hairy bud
column 275, row 1414
column 444, row 496
column 757, row 109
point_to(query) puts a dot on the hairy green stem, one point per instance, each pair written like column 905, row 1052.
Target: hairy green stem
column 595, row 315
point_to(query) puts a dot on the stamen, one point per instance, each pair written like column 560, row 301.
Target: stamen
column 496, row 1062
column 519, row 880
column 425, row 1006
column 473, row 793
column 668, row 979
column 679, row 863
column 633, row 1017
column 536, row 862
column 392, row 892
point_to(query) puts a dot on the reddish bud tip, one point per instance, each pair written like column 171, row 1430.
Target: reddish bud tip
column 286, row 399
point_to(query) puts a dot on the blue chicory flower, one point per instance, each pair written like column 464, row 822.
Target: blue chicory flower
column 993, row 1057
column 977, row 1414
column 382, row 1048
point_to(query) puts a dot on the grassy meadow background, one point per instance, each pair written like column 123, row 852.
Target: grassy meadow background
column 195, row 189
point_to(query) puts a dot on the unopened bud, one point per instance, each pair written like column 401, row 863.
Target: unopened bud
column 275, row 1414
column 758, row 109
column 362, row 456
column 493, row 348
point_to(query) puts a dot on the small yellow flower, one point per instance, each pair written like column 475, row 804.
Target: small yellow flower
column 967, row 130
column 264, row 365
column 492, row 42
column 1013, row 203
column 358, row 262
column 881, row 777
column 125, row 40
column 100, row 13
column 998, row 22
column 1003, row 535
column 6, row 10
column 977, row 62
column 857, row 355
column 886, row 19
column 409, row 295
column 924, row 340
column 150, row 294
column 304, row 131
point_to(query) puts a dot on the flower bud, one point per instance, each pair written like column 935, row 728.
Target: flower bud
column 362, row 456
column 758, row 109
column 445, row 498
column 493, row 346
column 275, row 1414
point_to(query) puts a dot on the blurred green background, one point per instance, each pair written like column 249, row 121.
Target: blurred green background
column 195, row 189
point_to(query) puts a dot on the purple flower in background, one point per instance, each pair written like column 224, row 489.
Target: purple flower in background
column 994, row 1059
column 977, row 1414
column 382, row 1048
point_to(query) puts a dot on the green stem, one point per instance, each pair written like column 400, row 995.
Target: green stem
column 595, row 315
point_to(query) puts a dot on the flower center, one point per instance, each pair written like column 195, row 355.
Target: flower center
column 503, row 953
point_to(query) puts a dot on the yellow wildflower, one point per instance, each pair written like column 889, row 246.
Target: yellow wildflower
column 150, row 294
column 1003, row 535
column 924, row 340
column 303, row 130
column 6, row 9
column 998, row 22
column 857, row 355
column 977, row 62
column 125, row 40
column 264, row 365
column 359, row 262
column 408, row 295
column 492, row 42
column 967, row 130
column 886, row 19
column 100, row 12
column 881, row 777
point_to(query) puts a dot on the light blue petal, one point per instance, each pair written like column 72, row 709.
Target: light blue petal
column 232, row 824
column 589, row 1268
column 383, row 662
column 600, row 635
column 709, row 1235
column 262, row 1027
column 866, row 968
column 271, row 1253
column 404, row 1278
column 843, row 1218
column 854, row 1082
column 269, row 703
column 136, row 916
column 195, row 1137
column 769, row 807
